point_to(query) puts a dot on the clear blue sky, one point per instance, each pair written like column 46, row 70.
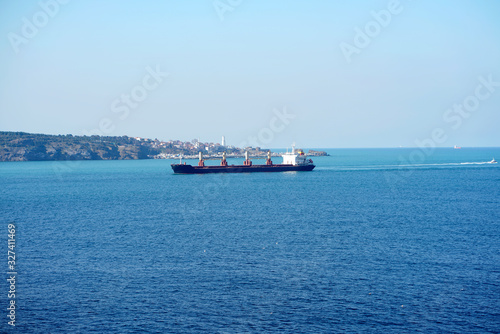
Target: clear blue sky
column 229, row 76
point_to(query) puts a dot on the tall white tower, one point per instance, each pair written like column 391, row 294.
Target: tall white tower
column 223, row 141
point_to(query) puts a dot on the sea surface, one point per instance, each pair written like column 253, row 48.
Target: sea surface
column 371, row 241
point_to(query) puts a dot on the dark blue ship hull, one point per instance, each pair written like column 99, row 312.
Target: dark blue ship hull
column 189, row 169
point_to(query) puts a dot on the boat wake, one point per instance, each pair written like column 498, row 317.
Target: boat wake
column 408, row 166
column 475, row 163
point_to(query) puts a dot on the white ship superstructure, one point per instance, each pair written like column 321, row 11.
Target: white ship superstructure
column 296, row 158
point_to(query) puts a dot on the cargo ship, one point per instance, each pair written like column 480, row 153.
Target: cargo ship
column 292, row 161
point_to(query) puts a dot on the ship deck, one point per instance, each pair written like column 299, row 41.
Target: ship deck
column 189, row 169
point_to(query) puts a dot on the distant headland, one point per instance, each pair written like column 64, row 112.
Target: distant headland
column 22, row 146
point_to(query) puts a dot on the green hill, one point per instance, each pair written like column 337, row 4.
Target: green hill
column 22, row 146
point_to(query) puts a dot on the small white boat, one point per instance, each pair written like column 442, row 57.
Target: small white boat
column 492, row 161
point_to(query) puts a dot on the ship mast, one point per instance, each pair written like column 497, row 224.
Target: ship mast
column 201, row 163
column 247, row 161
column 268, row 161
column 223, row 162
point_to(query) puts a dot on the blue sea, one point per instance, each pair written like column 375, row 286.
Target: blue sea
column 371, row 241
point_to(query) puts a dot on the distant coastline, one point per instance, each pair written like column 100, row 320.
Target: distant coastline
column 23, row 146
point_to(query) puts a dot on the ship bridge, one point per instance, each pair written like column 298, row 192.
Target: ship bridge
column 296, row 158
